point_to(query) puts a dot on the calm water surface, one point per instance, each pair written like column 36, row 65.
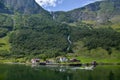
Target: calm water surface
column 22, row 72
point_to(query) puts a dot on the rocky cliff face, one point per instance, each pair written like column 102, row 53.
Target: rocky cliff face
column 23, row 6
column 100, row 12
column 3, row 9
column 86, row 13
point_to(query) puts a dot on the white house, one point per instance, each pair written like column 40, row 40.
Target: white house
column 63, row 59
column 33, row 61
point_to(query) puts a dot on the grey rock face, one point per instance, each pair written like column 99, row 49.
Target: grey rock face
column 23, row 6
column 100, row 12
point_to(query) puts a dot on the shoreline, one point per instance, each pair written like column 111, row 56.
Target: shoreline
column 64, row 64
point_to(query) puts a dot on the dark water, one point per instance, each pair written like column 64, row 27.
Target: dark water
column 22, row 72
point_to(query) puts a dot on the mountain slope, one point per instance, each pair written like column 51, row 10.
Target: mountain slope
column 30, row 31
column 98, row 12
column 23, row 6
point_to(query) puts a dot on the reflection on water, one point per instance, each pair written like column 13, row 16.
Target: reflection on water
column 111, row 75
column 22, row 72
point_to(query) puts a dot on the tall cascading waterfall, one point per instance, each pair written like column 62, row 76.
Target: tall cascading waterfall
column 53, row 15
column 70, row 42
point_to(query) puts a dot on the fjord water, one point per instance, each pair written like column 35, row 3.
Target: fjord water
column 22, row 72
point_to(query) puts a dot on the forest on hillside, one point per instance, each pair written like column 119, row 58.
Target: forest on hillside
column 36, row 35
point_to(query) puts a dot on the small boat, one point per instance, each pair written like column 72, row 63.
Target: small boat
column 75, row 64
column 89, row 67
column 85, row 68
column 42, row 63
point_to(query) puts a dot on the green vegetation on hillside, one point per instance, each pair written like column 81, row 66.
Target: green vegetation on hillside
column 37, row 34
column 25, row 36
column 40, row 36
column 106, row 38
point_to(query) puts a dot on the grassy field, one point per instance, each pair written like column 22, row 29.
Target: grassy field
column 88, row 59
column 5, row 40
column 99, row 54
column 101, row 59
column 116, row 27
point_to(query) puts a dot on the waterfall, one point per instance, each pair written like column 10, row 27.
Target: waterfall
column 70, row 42
column 53, row 15
column 69, row 39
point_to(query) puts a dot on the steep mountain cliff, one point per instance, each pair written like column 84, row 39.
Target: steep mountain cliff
column 100, row 12
column 3, row 9
column 23, row 6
